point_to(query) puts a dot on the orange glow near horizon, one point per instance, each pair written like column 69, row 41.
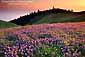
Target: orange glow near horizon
column 76, row 5
column 10, row 10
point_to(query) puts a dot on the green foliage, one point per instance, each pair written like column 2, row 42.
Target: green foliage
column 83, row 51
column 4, row 42
column 48, row 51
column 11, row 38
column 4, row 24
column 8, row 40
column 45, row 36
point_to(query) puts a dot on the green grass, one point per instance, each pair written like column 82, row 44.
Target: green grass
column 58, row 18
column 48, row 51
column 50, row 18
column 4, row 24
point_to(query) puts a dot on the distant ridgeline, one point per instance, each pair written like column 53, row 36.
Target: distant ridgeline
column 54, row 15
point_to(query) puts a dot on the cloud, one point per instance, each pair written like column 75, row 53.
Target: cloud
column 11, row 1
column 10, row 10
column 3, row 5
column 15, row 6
column 41, row 4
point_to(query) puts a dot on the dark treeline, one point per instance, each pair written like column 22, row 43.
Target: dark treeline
column 34, row 16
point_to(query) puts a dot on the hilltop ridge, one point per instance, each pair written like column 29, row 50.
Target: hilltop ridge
column 54, row 15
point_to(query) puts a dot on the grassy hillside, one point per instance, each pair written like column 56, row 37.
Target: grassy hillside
column 50, row 16
column 60, row 17
column 4, row 24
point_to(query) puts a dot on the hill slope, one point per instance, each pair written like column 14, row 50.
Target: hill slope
column 50, row 16
column 4, row 24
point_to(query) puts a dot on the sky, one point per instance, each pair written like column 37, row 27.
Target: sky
column 12, row 9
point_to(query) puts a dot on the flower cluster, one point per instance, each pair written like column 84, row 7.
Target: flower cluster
column 44, row 40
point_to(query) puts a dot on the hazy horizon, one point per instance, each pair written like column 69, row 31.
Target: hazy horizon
column 12, row 9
